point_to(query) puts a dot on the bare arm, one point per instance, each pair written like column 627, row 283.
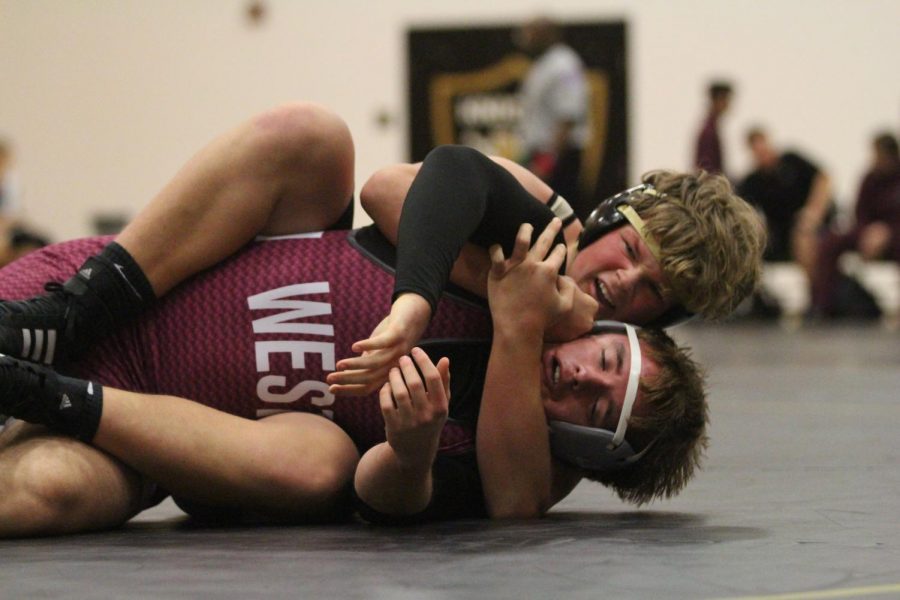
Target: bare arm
column 394, row 477
column 813, row 213
column 809, row 219
column 519, row 476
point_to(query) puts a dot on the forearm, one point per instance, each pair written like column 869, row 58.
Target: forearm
column 391, row 487
column 458, row 195
column 513, row 445
column 817, row 203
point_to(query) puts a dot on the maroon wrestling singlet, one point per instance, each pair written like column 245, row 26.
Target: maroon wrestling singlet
column 258, row 333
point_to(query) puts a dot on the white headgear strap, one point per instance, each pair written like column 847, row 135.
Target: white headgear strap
column 634, row 375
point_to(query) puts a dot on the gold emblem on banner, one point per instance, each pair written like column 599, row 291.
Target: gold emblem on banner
column 480, row 109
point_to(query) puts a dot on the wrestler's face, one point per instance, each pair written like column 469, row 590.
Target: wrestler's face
column 621, row 273
column 583, row 382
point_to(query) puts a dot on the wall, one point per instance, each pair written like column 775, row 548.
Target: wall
column 106, row 98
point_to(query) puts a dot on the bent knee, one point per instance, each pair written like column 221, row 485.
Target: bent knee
column 305, row 131
column 59, row 486
column 316, row 476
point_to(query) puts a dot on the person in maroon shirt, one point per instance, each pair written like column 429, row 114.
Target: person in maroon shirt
column 876, row 233
column 708, row 150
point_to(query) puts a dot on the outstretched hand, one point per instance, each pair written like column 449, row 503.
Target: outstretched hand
column 391, row 339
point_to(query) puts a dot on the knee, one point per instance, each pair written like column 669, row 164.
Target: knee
column 303, row 131
column 321, row 481
column 318, row 491
column 43, row 494
column 386, row 188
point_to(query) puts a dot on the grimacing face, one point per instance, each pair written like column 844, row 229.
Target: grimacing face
column 619, row 271
column 583, row 382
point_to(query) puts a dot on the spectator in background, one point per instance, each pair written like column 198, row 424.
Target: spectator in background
column 8, row 190
column 794, row 195
column 876, row 233
column 554, row 99
column 708, row 152
column 15, row 239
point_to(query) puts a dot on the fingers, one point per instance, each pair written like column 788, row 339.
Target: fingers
column 376, row 342
column 370, row 361
column 498, row 261
column 523, row 243
column 557, row 257
column 353, row 390
column 437, row 378
column 567, row 289
column 399, row 390
column 407, row 391
column 523, row 248
column 443, row 368
column 545, row 240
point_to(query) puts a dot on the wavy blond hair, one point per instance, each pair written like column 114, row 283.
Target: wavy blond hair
column 675, row 429
column 710, row 240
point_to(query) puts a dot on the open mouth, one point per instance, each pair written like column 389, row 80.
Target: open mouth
column 552, row 372
column 603, row 294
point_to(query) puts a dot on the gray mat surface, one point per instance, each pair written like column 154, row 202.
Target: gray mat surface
column 799, row 493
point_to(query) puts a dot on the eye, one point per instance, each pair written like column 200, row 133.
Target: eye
column 603, row 359
column 629, row 250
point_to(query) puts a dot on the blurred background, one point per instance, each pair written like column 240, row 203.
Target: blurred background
column 104, row 99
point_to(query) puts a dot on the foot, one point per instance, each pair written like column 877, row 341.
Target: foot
column 32, row 329
column 37, row 394
column 52, row 328
column 22, row 386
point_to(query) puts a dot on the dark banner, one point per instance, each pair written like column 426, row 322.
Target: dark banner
column 463, row 86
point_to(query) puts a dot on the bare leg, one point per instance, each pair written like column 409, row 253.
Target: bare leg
column 290, row 465
column 51, row 485
column 288, row 170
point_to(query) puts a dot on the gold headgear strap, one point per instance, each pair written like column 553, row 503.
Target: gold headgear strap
column 638, row 223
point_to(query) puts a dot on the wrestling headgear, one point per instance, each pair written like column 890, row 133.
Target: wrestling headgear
column 616, row 211
column 598, row 449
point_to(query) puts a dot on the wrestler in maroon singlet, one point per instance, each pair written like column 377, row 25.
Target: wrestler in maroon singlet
column 258, row 333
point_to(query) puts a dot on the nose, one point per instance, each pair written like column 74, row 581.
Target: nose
column 586, row 379
column 628, row 279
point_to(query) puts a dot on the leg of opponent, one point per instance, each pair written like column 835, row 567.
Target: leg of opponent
column 290, row 465
column 286, row 466
column 51, row 485
column 288, row 170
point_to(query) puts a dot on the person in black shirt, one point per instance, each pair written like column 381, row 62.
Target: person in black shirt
column 793, row 194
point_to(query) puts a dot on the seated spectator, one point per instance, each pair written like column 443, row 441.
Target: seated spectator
column 793, row 194
column 876, row 233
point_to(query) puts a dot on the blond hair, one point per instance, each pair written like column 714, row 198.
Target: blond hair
column 674, row 433
column 710, row 240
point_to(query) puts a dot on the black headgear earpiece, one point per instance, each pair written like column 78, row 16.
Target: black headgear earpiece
column 593, row 448
column 610, row 215
column 607, row 215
